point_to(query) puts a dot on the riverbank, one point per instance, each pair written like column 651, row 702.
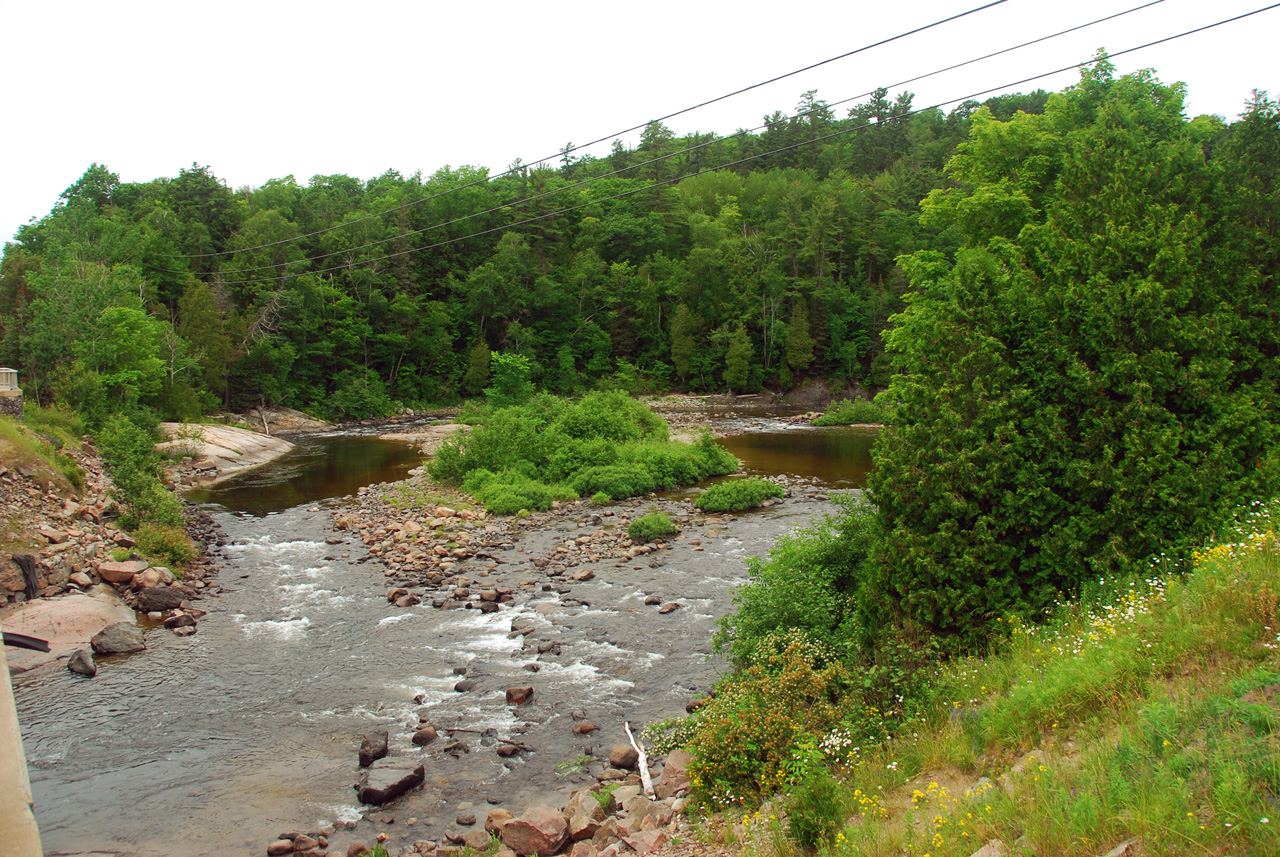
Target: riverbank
column 84, row 573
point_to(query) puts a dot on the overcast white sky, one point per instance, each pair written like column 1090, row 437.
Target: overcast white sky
column 259, row 90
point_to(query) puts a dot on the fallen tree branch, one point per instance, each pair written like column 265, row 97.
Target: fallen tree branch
column 645, row 779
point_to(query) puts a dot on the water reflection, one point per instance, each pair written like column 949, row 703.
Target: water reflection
column 320, row 467
column 839, row 457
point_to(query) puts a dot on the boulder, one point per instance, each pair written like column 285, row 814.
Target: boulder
column 122, row 572
column 583, row 826
column 159, row 598
column 373, row 747
column 646, row 840
column 619, row 797
column 497, row 819
column 424, row 736
column 118, row 639
column 476, row 840
column 675, row 775
column 541, row 830
column 148, row 577
column 624, row 756
column 387, row 779
column 280, row 847
column 519, row 695
column 81, row 663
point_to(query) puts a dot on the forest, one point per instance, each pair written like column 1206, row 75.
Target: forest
column 701, row 263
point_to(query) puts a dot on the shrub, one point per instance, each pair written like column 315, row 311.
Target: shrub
column 852, row 412
column 809, row 582
column 737, row 495
column 816, row 810
column 601, row 499
column 170, row 545
column 651, row 526
column 128, row 450
column 614, row 480
column 509, row 491
column 748, row 734
column 607, row 443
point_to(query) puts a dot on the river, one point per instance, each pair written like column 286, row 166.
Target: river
column 249, row 728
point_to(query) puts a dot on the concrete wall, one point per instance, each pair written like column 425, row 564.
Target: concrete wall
column 19, row 836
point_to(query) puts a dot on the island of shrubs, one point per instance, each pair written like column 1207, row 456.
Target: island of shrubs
column 607, row 446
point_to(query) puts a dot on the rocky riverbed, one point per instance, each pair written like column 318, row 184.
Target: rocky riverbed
column 578, row 632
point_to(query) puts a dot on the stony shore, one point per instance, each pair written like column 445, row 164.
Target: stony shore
column 86, row 576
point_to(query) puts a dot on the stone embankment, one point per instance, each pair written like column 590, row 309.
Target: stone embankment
column 84, row 575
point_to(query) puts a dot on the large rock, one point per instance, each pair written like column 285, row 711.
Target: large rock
column 122, row 572
column 66, row 623
column 387, row 779
column 624, row 756
column 373, row 747
column 160, row 598
column 541, row 830
column 118, row 639
column 675, row 775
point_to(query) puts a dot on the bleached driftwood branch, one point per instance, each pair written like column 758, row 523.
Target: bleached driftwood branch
column 645, row 779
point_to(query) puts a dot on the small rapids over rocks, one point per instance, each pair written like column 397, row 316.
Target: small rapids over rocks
column 251, row 727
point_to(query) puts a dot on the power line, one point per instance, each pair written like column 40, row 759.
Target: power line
column 778, row 150
column 633, row 167
column 607, row 137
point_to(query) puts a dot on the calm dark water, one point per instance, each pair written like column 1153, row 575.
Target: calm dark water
column 321, row 467
column 836, row 456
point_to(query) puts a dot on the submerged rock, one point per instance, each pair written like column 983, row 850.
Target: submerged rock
column 81, row 663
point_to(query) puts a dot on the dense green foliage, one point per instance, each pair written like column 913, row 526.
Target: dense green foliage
column 737, row 495
column 652, row 526
column 851, row 412
column 606, row 445
column 808, row 583
column 343, row 296
column 1092, row 380
column 128, row 450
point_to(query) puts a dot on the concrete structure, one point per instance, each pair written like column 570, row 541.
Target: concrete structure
column 19, row 836
column 10, row 394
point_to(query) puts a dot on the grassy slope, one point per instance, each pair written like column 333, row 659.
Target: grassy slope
column 1152, row 715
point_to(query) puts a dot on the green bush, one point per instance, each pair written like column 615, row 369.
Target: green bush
column 748, row 735
column 170, row 545
column 852, row 412
column 615, row 480
column 601, row 499
column 652, row 526
column 508, row 491
column 816, row 810
column 809, row 582
column 128, row 450
column 607, row 443
column 738, row 494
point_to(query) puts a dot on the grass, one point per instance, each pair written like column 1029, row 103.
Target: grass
column 34, row 443
column 1149, row 710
